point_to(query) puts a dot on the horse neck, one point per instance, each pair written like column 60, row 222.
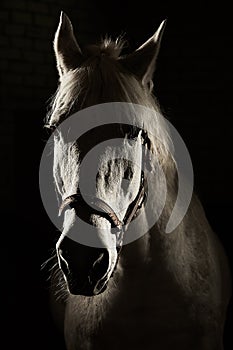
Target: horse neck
column 149, row 249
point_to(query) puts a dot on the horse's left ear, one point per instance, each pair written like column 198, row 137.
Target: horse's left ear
column 142, row 61
column 66, row 48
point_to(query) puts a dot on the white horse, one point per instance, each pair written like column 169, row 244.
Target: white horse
column 161, row 291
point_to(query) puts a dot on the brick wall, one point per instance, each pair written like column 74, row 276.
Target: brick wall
column 26, row 57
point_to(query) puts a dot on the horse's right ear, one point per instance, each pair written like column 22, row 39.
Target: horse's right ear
column 67, row 52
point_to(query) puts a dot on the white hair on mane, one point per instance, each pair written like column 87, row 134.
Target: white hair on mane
column 102, row 78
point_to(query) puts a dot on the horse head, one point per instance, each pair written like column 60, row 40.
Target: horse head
column 98, row 196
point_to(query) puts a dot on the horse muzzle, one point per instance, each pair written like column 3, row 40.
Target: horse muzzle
column 85, row 269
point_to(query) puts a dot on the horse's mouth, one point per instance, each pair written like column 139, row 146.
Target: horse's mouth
column 87, row 288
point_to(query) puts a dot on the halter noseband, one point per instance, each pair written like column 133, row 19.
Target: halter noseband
column 100, row 207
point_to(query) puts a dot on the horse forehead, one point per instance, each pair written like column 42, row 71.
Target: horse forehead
column 123, row 149
column 111, row 157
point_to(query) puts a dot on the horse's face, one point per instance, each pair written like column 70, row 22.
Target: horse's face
column 113, row 175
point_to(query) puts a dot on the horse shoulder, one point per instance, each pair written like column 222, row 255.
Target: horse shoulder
column 199, row 265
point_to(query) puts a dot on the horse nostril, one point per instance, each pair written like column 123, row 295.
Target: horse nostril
column 100, row 266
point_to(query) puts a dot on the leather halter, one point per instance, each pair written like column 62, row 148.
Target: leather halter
column 100, row 207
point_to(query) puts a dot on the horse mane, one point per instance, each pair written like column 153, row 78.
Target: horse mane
column 107, row 47
column 103, row 78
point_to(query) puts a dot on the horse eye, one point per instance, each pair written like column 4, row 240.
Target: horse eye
column 50, row 127
column 48, row 130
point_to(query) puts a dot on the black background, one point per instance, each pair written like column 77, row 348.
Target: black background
column 193, row 83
